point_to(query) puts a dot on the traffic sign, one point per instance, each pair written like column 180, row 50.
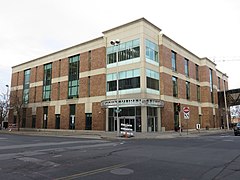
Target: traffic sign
column 186, row 112
column 186, row 109
column 186, row 115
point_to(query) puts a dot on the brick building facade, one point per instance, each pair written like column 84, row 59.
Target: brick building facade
column 76, row 88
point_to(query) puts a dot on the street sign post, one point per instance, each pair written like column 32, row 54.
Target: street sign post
column 186, row 114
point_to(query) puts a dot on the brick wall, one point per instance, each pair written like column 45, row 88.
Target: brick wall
column 14, row 79
column 168, row 116
column 98, row 59
column 39, row 93
column 28, row 117
column 63, row 90
column 39, row 117
column 40, row 73
column 51, row 117
column 98, row 85
column 83, row 87
column 55, row 91
column 166, row 87
column 80, row 117
column 207, row 117
column 98, row 117
column 165, row 57
column 55, row 68
column 64, row 119
column 84, row 62
column 64, row 67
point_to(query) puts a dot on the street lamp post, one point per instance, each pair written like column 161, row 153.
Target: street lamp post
column 116, row 43
column 225, row 103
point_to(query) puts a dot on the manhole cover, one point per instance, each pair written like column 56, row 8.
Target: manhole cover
column 122, row 171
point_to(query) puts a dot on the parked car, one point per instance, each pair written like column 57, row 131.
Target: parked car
column 237, row 129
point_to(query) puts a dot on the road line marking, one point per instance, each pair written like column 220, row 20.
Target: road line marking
column 3, row 138
column 87, row 173
column 51, row 144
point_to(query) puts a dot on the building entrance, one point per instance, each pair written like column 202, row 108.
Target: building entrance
column 152, row 124
column 128, row 120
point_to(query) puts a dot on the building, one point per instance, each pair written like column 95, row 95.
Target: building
column 76, row 88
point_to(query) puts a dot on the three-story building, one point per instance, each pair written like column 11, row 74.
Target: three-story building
column 145, row 75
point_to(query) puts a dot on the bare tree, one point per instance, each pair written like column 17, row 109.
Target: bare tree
column 17, row 106
column 4, row 105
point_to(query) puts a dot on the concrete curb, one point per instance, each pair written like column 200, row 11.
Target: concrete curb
column 112, row 135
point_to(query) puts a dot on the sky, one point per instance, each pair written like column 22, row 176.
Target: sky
column 33, row 28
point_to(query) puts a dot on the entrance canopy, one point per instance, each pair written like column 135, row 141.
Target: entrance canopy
column 111, row 103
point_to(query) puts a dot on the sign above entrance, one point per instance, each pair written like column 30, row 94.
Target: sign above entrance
column 132, row 102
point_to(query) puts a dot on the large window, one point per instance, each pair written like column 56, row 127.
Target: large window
column 186, row 67
column 26, row 86
column 47, row 82
column 175, row 86
column 127, row 80
column 129, row 83
column 127, row 50
column 174, row 61
column 151, row 51
column 187, row 90
column 73, row 77
column 211, row 84
column 152, row 79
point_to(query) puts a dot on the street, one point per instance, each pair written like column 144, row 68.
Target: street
column 43, row 157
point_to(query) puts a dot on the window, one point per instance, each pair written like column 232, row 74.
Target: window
column 219, row 86
column 89, row 85
column 198, row 93
column 47, row 82
column 89, row 59
column 197, row 72
column 26, row 86
column 129, row 83
column 73, row 77
column 186, row 67
column 59, row 88
column 175, row 86
column 151, row 51
column 127, row 80
column 126, row 51
column 152, row 79
column 174, row 63
column 187, row 90
column 211, row 84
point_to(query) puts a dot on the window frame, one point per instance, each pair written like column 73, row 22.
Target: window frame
column 174, row 60
column 175, row 86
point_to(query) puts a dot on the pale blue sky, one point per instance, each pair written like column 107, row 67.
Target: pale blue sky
column 30, row 29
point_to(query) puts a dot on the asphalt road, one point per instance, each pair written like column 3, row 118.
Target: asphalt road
column 42, row 157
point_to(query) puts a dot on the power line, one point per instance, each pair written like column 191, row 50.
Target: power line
column 225, row 60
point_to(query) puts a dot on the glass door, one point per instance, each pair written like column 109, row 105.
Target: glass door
column 128, row 120
column 152, row 124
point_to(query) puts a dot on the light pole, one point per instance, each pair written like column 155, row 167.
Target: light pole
column 225, row 102
column 116, row 43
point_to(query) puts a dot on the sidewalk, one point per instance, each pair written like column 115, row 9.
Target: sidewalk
column 113, row 135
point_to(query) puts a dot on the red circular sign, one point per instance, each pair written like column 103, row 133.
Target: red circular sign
column 186, row 109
